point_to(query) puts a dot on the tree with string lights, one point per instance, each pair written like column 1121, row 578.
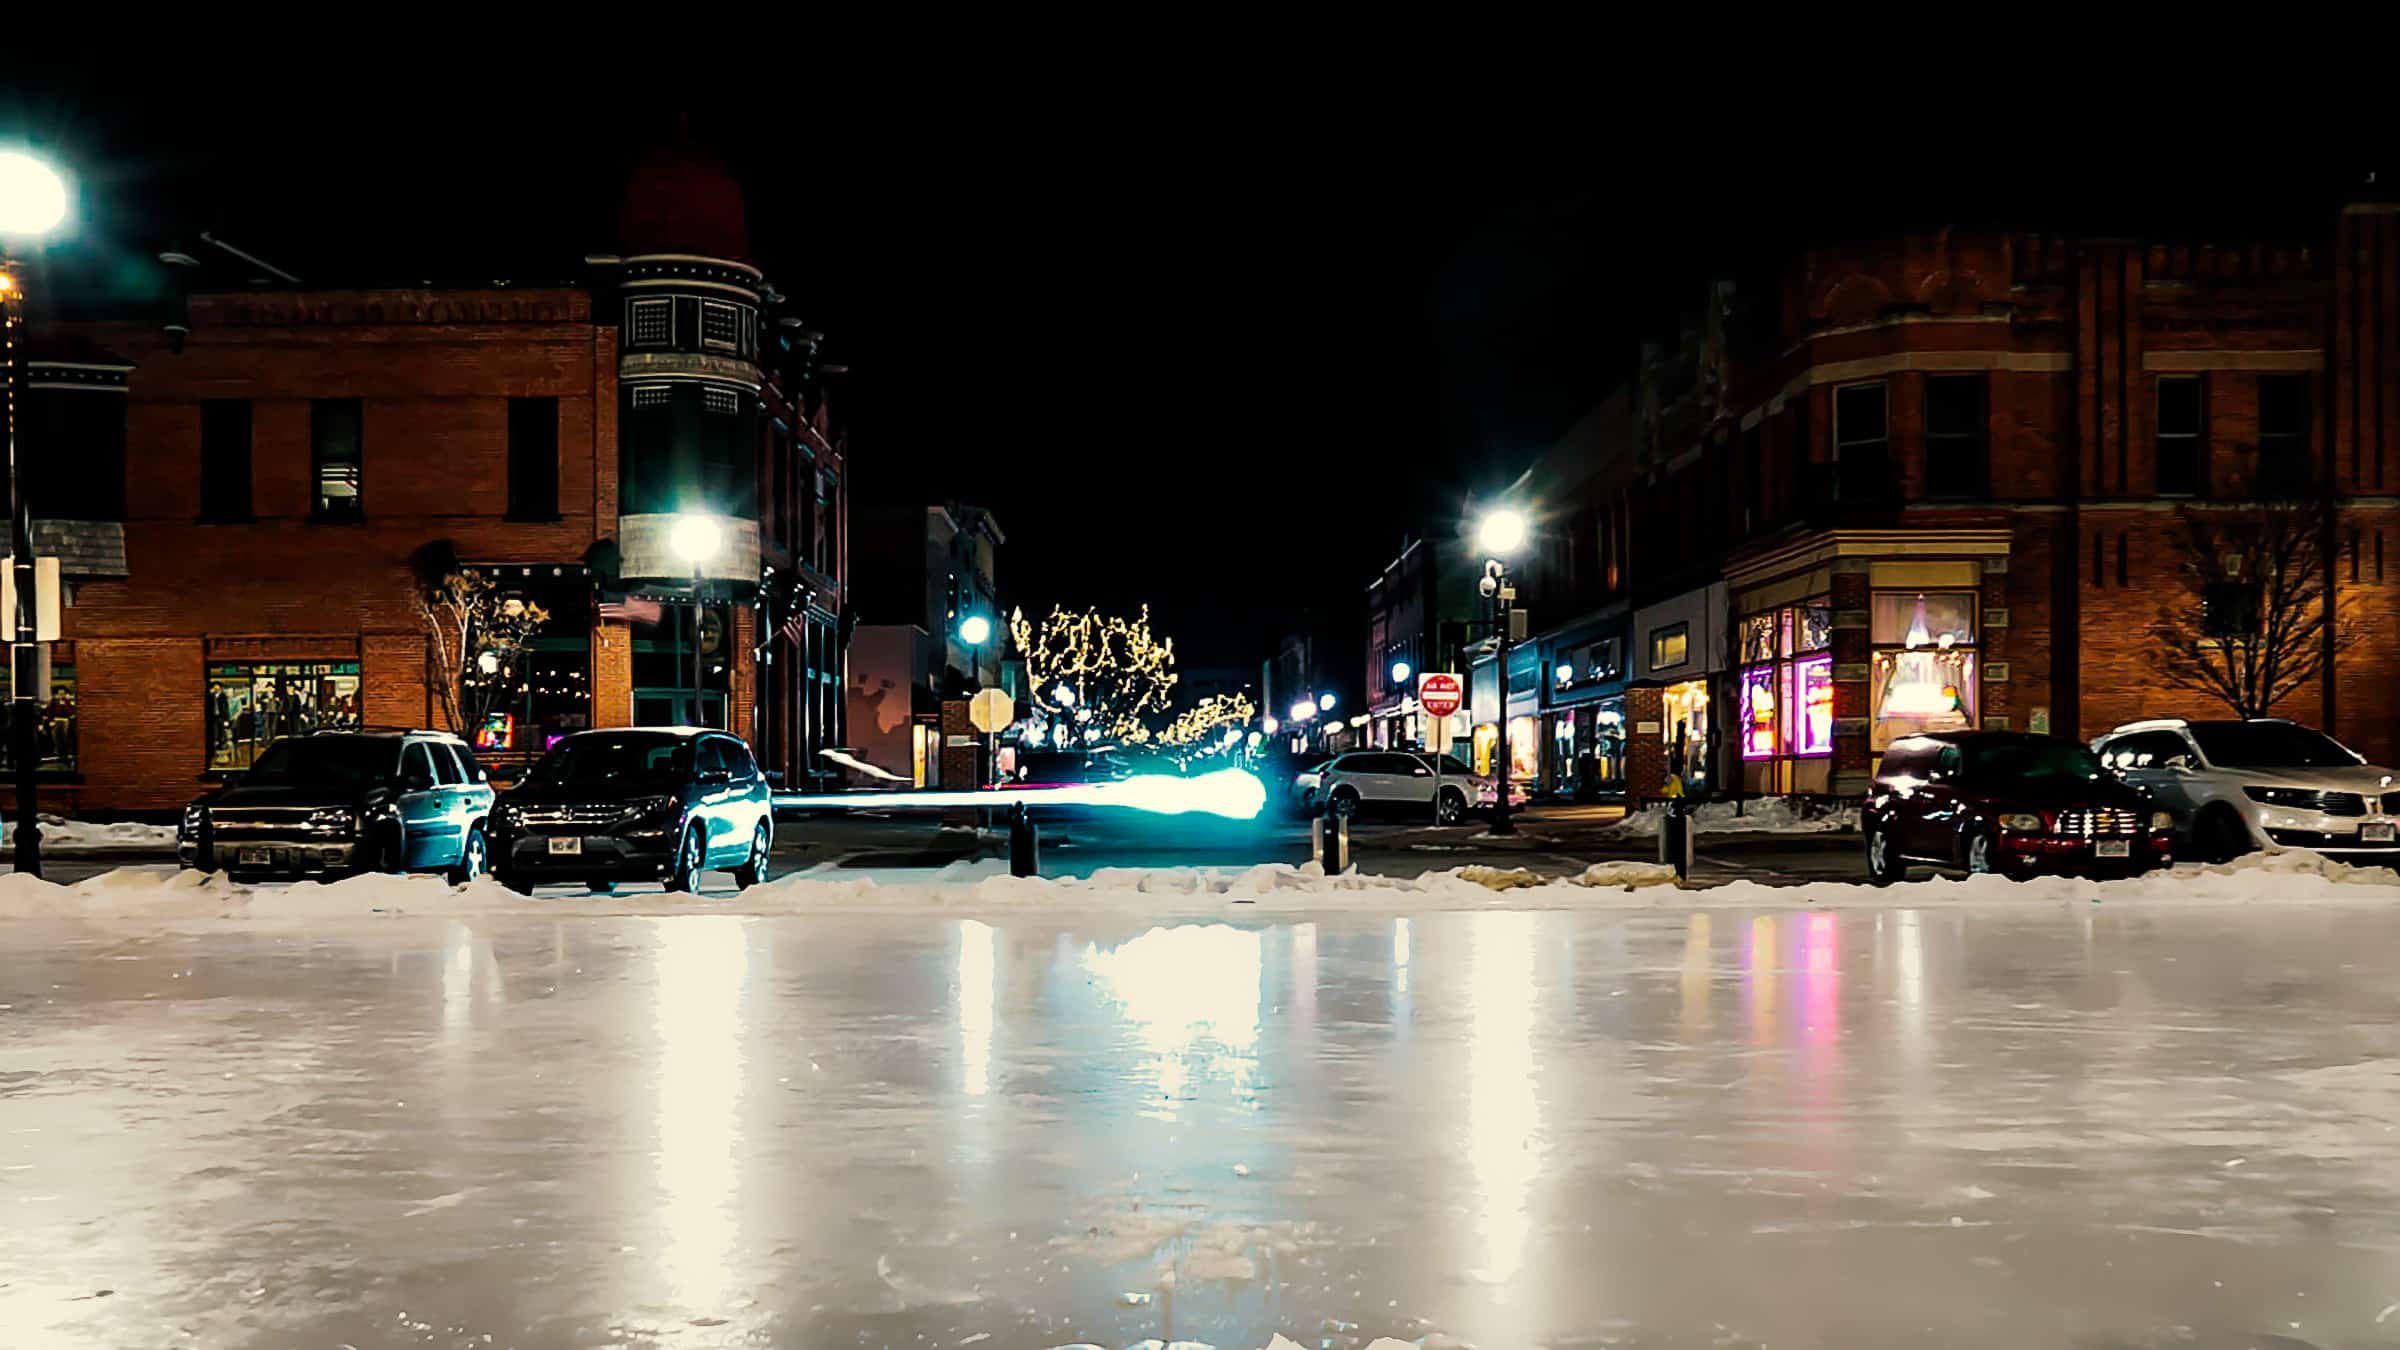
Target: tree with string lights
column 1100, row 676
column 1208, row 719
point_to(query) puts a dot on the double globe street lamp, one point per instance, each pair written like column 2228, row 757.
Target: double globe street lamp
column 33, row 202
column 1501, row 534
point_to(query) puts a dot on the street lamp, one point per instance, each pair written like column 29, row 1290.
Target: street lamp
column 1501, row 534
column 1400, row 672
column 974, row 630
column 1325, row 702
column 696, row 538
column 33, row 201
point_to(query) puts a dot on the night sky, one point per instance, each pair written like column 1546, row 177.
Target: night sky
column 1208, row 360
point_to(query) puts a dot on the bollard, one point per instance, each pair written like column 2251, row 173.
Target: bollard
column 1331, row 853
column 1675, row 839
column 1024, row 844
column 1341, row 846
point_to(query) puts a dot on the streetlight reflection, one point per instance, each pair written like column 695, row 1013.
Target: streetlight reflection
column 975, row 1006
column 1504, row 1143
column 1192, row 995
column 703, row 971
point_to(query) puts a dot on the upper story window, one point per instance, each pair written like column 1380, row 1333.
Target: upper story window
column 1956, row 460
column 2179, row 426
column 720, row 326
column 225, row 459
column 1861, row 442
column 650, row 396
column 2283, row 426
column 533, row 459
column 1670, row 646
column 652, row 323
column 723, row 402
column 335, row 452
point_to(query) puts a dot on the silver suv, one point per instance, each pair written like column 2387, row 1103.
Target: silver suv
column 2237, row 786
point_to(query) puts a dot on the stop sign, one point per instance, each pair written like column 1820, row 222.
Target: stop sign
column 1438, row 693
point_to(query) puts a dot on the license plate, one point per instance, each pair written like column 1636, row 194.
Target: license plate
column 258, row 857
column 2378, row 833
column 558, row 846
column 2112, row 848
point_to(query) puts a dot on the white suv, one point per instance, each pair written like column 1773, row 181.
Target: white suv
column 2237, row 786
column 1401, row 782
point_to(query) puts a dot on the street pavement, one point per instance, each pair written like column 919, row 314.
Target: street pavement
column 2018, row 1126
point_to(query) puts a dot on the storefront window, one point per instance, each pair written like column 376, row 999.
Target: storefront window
column 53, row 728
column 1686, row 731
column 1924, row 669
column 1525, row 748
column 1787, row 692
column 1487, row 738
column 250, row 703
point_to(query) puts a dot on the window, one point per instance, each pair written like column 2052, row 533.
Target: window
column 720, row 326
column 1670, row 646
column 2230, row 608
column 445, row 763
column 2283, row 417
column 533, row 459
column 1754, row 478
column 1955, row 457
column 1786, row 693
column 415, row 765
column 712, row 757
column 650, row 396
column 333, row 439
column 54, row 722
column 1924, row 668
column 225, row 459
column 653, row 323
column 2180, row 435
column 737, row 758
column 468, row 764
column 2143, row 750
column 721, row 402
column 252, row 703
column 1861, row 443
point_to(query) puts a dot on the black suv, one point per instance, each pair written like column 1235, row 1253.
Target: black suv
column 341, row 802
column 655, row 804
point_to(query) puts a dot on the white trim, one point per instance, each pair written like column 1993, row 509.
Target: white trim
column 727, row 263
column 74, row 365
column 1893, row 321
column 70, row 384
column 691, row 284
column 2197, row 362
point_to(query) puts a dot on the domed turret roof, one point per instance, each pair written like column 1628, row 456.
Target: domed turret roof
column 684, row 201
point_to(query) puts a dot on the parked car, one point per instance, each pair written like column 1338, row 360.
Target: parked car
column 2007, row 802
column 1402, row 783
column 649, row 804
column 2238, row 786
column 337, row 803
column 1292, row 780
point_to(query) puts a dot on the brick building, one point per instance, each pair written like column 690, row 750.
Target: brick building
column 1938, row 478
column 288, row 461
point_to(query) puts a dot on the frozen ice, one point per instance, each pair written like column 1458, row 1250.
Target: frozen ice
column 824, row 1114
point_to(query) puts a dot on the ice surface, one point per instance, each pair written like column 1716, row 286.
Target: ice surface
column 1764, row 815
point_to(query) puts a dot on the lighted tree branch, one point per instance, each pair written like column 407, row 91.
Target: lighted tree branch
column 1203, row 720
column 1103, row 673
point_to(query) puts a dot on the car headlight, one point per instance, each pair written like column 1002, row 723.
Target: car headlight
column 2023, row 822
column 650, row 810
column 505, row 814
column 2275, row 796
column 334, row 820
column 2162, row 821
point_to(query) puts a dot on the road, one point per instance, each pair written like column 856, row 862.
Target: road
column 2016, row 1127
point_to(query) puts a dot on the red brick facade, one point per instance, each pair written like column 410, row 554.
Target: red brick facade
column 2055, row 510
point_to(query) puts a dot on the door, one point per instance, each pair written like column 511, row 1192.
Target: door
column 1382, row 780
column 1933, row 827
column 718, row 795
column 2144, row 759
column 754, row 800
column 428, row 827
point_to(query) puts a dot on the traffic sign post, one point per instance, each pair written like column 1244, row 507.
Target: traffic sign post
column 990, row 712
column 1439, row 693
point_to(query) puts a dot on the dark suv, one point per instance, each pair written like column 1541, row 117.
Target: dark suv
column 655, row 804
column 2008, row 802
column 341, row 802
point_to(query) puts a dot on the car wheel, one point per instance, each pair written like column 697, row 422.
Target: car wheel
column 754, row 870
column 1344, row 803
column 691, row 859
column 1984, row 857
column 1883, row 861
column 2220, row 837
column 1450, row 808
column 471, row 857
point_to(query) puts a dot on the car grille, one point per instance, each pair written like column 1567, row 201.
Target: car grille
column 2324, row 803
column 281, row 822
column 576, row 813
column 2099, row 822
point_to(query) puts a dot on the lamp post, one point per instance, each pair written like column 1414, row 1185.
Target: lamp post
column 1502, row 533
column 696, row 539
column 33, row 200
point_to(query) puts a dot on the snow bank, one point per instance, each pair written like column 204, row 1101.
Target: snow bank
column 2291, row 877
column 1765, row 815
column 84, row 836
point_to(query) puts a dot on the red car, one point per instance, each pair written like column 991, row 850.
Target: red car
column 2007, row 802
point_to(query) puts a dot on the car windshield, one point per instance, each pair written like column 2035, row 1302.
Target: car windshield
column 337, row 761
column 1452, row 764
column 605, row 761
column 2004, row 762
column 2271, row 745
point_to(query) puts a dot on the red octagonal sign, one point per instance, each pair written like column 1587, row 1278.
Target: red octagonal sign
column 1439, row 693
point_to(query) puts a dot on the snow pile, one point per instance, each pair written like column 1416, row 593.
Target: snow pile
column 84, row 836
column 1762, row 815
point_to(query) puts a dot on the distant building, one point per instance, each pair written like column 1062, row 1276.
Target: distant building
column 925, row 572
column 254, row 488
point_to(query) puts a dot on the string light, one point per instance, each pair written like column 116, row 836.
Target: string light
column 1119, row 672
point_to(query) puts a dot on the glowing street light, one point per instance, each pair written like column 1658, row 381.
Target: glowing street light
column 33, row 202
column 1325, row 702
column 1400, row 672
column 974, row 630
column 1502, row 533
column 1065, row 696
column 696, row 538
column 1303, row 710
column 1268, row 725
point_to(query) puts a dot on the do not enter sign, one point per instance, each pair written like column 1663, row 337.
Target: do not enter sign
column 1439, row 693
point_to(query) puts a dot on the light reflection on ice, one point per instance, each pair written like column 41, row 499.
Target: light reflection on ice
column 1694, row 1017
column 1192, row 996
column 1759, row 960
column 975, row 1006
column 703, row 969
column 1503, row 1138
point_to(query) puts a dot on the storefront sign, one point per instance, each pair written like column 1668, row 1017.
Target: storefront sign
column 1646, row 729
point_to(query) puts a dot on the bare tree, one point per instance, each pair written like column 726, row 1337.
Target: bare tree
column 2248, row 624
column 475, row 641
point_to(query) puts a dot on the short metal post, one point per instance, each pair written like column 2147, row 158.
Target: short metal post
column 1316, row 839
column 1024, row 844
column 1341, row 847
column 1675, row 839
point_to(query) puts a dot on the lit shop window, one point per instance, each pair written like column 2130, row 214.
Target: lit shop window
column 1787, row 681
column 1923, row 677
column 250, row 703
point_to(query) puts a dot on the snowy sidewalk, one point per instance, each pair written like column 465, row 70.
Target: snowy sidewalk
column 982, row 887
column 86, row 837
